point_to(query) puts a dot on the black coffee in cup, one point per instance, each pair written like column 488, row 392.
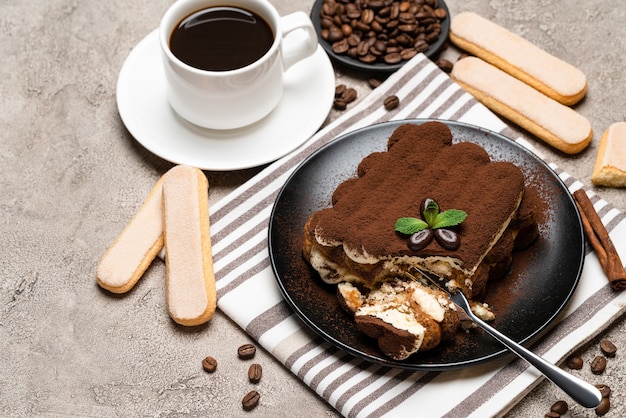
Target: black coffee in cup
column 221, row 38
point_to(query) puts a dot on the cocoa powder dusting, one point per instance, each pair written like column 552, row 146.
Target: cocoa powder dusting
column 422, row 162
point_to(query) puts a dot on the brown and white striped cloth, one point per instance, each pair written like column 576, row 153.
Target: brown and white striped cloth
column 248, row 293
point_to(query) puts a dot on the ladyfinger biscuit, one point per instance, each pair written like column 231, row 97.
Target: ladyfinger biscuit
column 556, row 124
column 610, row 167
column 518, row 57
column 133, row 250
column 189, row 281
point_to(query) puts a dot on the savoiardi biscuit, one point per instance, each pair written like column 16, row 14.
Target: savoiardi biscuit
column 190, row 281
column 610, row 166
column 133, row 250
column 556, row 124
column 523, row 60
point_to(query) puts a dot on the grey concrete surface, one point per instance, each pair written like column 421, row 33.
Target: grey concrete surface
column 71, row 177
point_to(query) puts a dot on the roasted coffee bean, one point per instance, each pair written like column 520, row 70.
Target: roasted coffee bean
column 334, row 34
column 326, row 23
column 393, row 58
column 340, row 104
column 391, row 102
column 376, row 4
column 432, row 36
column 251, row 400
column 560, row 407
column 339, row 89
column 352, row 11
column 340, row 47
column 608, row 348
column 444, row 65
column 605, row 390
column 603, row 408
column 421, row 45
column 255, row 372
column 407, row 54
column 552, row 414
column 368, row 58
column 246, row 351
column 575, row 362
column 362, row 48
column 354, row 39
column 598, row 364
column 375, row 52
column 367, row 16
column 440, row 13
column 399, row 24
column 374, row 82
column 349, row 95
column 380, row 46
column 404, row 40
column 209, row 364
column 408, row 28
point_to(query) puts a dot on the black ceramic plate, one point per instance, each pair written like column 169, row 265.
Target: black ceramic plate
column 378, row 67
column 526, row 301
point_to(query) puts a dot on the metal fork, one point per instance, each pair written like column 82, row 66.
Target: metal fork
column 582, row 392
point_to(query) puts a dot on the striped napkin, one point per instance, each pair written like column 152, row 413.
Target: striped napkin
column 248, row 293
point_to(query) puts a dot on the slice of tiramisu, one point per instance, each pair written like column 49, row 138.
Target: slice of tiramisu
column 427, row 203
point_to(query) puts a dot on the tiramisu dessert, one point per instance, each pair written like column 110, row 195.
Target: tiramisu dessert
column 425, row 203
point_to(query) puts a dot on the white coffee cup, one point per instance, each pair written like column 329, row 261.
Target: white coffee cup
column 239, row 97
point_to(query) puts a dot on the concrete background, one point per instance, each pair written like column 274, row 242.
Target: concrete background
column 71, row 177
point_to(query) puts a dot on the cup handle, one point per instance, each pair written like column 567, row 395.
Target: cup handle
column 300, row 44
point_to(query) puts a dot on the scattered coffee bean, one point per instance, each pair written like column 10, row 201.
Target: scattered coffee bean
column 209, row 364
column 575, row 362
column 255, row 372
column 608, row 348
column 381, row 31
column 603, row 408
column 598, row 364
column 246, row 351
column 340, row 104
column 444, row 65
column 374, row 82
column 339, row 89
column 349, row 95
column 251, row 400
column 560, row 407
column 552, row 414
column 391, row 102
column 605, row 390
column 343, row 96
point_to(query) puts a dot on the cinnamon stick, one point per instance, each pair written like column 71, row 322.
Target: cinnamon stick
column 600, row 241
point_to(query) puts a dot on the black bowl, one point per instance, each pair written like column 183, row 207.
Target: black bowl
column 377, row 67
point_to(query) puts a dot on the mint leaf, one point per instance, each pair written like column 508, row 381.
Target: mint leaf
column 430, row 212
column 450, row 217
column 410, row 226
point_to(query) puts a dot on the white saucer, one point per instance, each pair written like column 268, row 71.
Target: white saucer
column 144, row 108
